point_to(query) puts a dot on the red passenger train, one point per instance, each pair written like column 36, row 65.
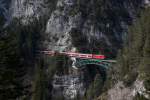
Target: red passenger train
column 74, row 54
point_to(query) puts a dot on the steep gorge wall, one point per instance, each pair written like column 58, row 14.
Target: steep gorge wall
column 130, row 79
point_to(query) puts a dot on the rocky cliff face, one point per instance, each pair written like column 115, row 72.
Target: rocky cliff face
column 91, row 26
column 102, row 23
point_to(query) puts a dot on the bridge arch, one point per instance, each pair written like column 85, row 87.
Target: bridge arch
column 100, row 65
column 84, row 62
